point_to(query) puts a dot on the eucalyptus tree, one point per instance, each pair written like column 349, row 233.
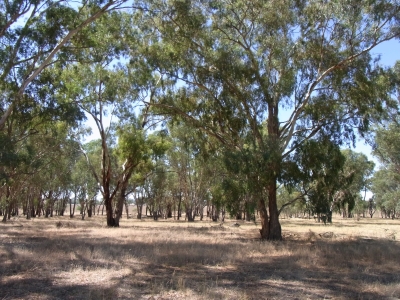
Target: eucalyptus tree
column 315, row 173
column 386, row 189
column 35, row 35
column 53, row 177
column 155, row 177
column 299, row 70
column 109, row 88
column 189, row 158
column 326, row 178
column 386, row 147
column 386, row 181
column 41, row 167
column 134, row 151
column 82, row 185
column 357, row 171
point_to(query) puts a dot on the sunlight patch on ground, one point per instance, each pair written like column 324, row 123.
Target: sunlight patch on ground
column 79, row 276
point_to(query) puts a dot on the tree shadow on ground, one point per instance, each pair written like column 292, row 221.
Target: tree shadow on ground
column 222, row 269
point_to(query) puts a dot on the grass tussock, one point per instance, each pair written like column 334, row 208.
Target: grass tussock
column 83, row 259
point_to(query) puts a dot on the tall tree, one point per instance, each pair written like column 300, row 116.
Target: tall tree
column 356, row 176
column 298, row 69
column 134, row 153
column 386, row 181
column 189, row 159
column 109, row 88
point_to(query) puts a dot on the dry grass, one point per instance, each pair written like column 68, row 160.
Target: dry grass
column 59, row 258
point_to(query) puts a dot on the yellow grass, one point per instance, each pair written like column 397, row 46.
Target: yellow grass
column 60, row 258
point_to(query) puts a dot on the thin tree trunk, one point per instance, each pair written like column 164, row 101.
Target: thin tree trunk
column 7, row 208
column 179, row 205
column 28, row 205
column 126, row 208
column 72, row 211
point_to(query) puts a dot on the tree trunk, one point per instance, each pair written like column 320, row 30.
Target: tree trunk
column 90, row 208
column 121, row 200
column 83, row 209
column 179, row 205
column 201, row 212
column 51, row 207
column 274, row 167
column 120, row 205
column 264, row 231
column 28, row 205
column 275, row 231
column 40, row 204
column 126, row 208
column 10, row 206
column 72, row 208
column 7, row 208
column 98, row 208
column 5, row 215
column 189, row 214
column 109, row 212
column 169, row 211
column 139, row 211
column 215, row 213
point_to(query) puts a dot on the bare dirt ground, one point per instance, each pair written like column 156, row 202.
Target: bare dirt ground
column 62, row 258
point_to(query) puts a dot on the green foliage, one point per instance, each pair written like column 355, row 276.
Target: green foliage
column 320, row 164
column 385, row 186
column 34, row 35
column 8, row 157
column 386, row 182
column 326, row 177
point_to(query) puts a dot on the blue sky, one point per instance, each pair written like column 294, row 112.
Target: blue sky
column 389, row 51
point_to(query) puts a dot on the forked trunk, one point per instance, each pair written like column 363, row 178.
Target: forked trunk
column 121, row 199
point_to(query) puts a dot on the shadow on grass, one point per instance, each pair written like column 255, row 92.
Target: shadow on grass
column 44, row 289
column 209, row 269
